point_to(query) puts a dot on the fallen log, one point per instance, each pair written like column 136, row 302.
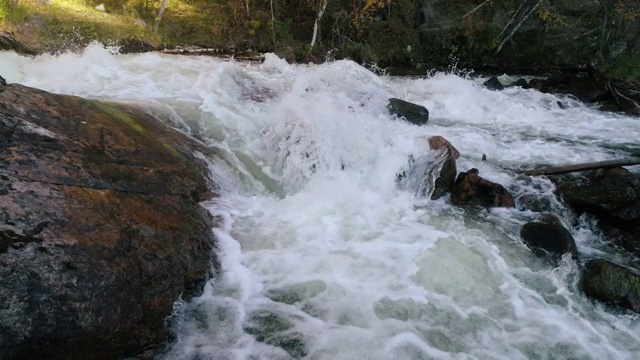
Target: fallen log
column 582, row 167
column 241, row 56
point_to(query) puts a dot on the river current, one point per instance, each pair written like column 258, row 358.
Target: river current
column 323, row 255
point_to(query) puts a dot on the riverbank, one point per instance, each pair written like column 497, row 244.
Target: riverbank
column 504, row 36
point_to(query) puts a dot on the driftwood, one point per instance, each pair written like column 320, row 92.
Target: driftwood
column 244, row 56
column 582, row 167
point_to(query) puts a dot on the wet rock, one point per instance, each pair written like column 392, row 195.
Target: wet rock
column 520, row 82
column 493, row 84
column 470, row 189
column 438, row 142
column 616, row 189
column 613, row 197
column 445, row 180
column 287, row 54
column 548, row 236
column 593, row 87
column 533, row 202
column 612, row 283
column 100, row 228
column 415, row 114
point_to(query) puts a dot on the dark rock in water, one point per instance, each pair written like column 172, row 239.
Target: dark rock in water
column 101, row 229
column 613, row 196
column 415, row 114
column 550, row 237
column 493, row 84
column 592, row 88
column 616, row 189
column 287, row 54
column 533, row 202
column 520, row 82
column 471, row 189
column 612, row 283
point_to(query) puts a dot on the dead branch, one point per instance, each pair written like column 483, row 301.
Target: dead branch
column 582, row 167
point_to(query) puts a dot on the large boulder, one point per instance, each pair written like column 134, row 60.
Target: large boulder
column 101, row 230
column 431, row 175
column 470, row 189
column 612, row 283
column 447, row 176
column 550, row 236
column 614, row 198
column 415, row 114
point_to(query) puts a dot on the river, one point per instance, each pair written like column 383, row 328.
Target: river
column 323, row 255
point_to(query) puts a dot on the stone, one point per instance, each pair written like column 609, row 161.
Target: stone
column 613, row 197
column 3, row 82
column 550, row 237
column 520, row 82
column 101, row 229
column 612, row 283
column 415, row 114
column 615, row 189
column 287, row 54
column 101, row 8
column 470, row 189
column 437, row 142
column 9, row 42
column 445, row 180
column 493, row 84
column 533, row 202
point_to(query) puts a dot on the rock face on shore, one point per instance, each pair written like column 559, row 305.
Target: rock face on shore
column 100, row 227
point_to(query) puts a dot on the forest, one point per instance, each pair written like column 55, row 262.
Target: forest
column 420, row 34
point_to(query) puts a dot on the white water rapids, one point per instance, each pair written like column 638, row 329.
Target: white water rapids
column 323, row 255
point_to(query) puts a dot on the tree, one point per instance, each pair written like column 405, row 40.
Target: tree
column 321, row 5
column 159, row 17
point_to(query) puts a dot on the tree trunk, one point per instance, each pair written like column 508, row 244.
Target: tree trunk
column 316, row 24
column 159, row 17
column 525, row 10
column 582, row 167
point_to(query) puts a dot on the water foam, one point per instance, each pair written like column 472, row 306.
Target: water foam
column 322, row 255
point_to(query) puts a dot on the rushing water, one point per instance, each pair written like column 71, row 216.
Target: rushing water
column 323, row 255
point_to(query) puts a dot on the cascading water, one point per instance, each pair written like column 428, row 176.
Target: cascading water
column 323, row 255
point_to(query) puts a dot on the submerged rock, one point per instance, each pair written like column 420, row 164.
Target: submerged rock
column 415, row 114
column 101, row 229
column 471, row 189
column 612, row 283
column 548, row 236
